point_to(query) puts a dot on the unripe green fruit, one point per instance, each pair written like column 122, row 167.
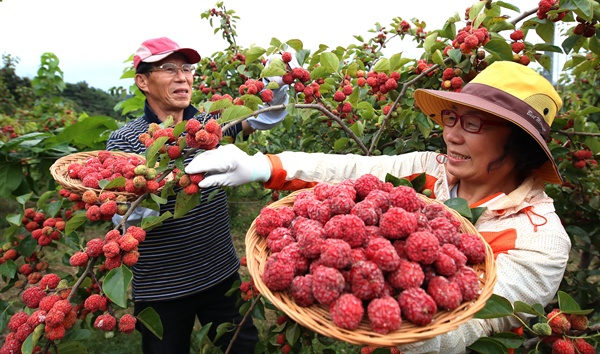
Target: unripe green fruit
column 151, row 173
column 427, row 192
column 140, row 170
column 542, row 329
column 6, row 246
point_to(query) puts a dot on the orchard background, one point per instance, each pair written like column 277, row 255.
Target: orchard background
column 344, row 100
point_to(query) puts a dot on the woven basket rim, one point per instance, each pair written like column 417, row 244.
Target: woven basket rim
column 60, row 173
column 317, row 318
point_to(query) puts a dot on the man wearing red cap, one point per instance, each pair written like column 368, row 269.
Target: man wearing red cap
column 188, row 264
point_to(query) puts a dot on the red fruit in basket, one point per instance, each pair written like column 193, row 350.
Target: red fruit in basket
column 279, row 272
column 319, row 210
column 327, row 284
column 422, row 247
column 386, row 258
column 368, row 211
column 301, row 290
column 380, row 198
column 310, row 236
column 397, row 223
column 336, row 253
column 446, row 294
column 279, row 238
column 445, row 230
column 347, row 311
column 365, row 184
column 459, row 258
column 287, row 215
column 406, row 198
column 348, row 227
column 293, row 251
column 384, row 315
column 73, row 169
column 341, row 204
column 366, row 280
column 445, row 265
column 417, row 306
column 468, row 281
column 268, row 219
column 407, row 275
column 473, row 247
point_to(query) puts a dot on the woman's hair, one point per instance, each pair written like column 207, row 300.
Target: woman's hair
column 526, row 152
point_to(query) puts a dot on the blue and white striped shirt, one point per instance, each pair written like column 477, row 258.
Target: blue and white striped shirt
column 185, row 255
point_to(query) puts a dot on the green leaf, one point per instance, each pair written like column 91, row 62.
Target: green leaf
column 424, row 124
column 330, row 62
column 509, row 339
column 116, row 182
column 476, row 212
column 235, row 112
column 254, row 53
column 185, row 203
column 460, row 205
column 8, row 269
column 71, row 347
column 395, row 181
column 419, row 182
column 150, row 318
column 546, row 31
column 14, row 219
column 151, row 222
column 520, row 306
column 116, row 283
column 340, row 144
column 499, row 48
column 152, row 152
column 292, row 333
column 202, row 334
column 488, row 345
column 11, row 175
column 568, row 305
column 74, row 222
column 496, row 306
column 27, row 246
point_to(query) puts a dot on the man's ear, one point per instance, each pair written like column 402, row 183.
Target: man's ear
column 141, row 80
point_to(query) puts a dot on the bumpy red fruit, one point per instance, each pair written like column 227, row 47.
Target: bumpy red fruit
column 279, row 272
column 558, row 321
column 95, row 302
column 406, row 198
column 563, row 346
column 31, row 296
column 127, row 324
column 17, row 320
column 105, row 322
column 407, row 275
column 367, row 280
column 50, row 281
column 417, row 306
column 327, row 284
column 93, row 247
column 347, row 311
column 336, row 253
column 473, row 247
column 446, row 294
column 397, row 223
column 349, row 228
column 301, row 290
column 384, row 315
column 268, row 219
column 583, row 347
column 422, row 247
column 468, row 281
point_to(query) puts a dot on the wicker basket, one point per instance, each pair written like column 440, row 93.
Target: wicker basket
column 317, row 318
column 60, row 172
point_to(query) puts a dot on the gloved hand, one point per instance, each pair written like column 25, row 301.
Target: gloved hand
column 229, row 166
column 136, row 216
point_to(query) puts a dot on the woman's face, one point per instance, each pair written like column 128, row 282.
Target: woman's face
column 470, row 154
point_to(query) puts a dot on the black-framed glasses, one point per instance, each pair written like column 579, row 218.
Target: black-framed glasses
column 469, row 122
column 171, row 69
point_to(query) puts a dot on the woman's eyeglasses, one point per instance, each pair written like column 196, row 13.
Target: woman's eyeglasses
column 469, row 122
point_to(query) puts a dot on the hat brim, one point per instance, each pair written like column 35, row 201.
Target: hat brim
column 432, row 102
column 191, row 55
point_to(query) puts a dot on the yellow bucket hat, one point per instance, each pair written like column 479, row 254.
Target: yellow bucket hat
column 510, row 91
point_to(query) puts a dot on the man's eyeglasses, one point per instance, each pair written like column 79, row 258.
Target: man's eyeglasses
column 171, row 69
column 469, row 122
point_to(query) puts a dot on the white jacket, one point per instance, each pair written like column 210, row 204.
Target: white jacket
column 530, row 244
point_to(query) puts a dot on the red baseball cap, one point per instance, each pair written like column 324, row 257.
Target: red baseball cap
column 156, row 49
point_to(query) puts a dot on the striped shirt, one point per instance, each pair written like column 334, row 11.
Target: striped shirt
column 185, row 255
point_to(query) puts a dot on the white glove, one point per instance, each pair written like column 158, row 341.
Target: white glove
column 268, row 120
column 136, row 216
column 229, row 166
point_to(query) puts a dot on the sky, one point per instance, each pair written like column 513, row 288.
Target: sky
column 93, row 39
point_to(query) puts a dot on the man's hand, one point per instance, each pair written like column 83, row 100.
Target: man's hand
column 229, row 166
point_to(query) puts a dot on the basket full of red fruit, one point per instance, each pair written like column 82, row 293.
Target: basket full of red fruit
column 86, row 170
column 368, row 263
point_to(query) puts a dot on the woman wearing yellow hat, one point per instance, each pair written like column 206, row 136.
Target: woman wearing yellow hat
column 496, row 131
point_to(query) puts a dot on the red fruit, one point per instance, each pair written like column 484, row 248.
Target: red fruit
column 517, row 35
column 111, row 249
column 417, row 306
column 32, row 296
column 327, row 284
column 127, row 242
column 446, row 294
column 384, row 315
column 583, row 347
column 422, row 247
column 558, row 321
column 279, row 272
column 174, row 152
column 266, row 95
column 517, row 47
column 397, row 223
column 93, row 213
column 339, row 96
column 55, row 332
column 267, row 220
column 578, row 322
column 347, row 311
column 105, row 322
column 468, row 281
column 563, row 346
column 17, row 320
column 191, row 189
column 127, row 324
column 48, row 302
column 286, row 57
column 472, row 246
column 407, row 275
column 50, row 281
column 301, row 290
column 130, row 258
column 367, row 280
